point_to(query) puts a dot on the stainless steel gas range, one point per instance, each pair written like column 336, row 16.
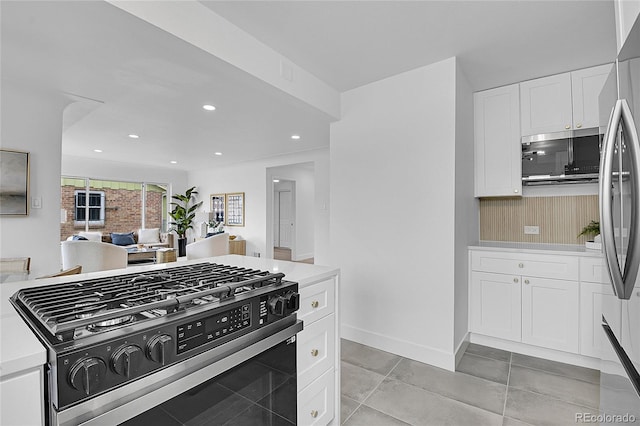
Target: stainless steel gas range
column 201, row 343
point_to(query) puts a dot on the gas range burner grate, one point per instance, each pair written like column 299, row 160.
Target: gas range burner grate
column 99, row 304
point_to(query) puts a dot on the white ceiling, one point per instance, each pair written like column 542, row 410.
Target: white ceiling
column 135, row 78
column 351, row 43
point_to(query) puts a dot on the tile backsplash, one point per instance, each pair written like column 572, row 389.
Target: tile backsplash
column 560, row 219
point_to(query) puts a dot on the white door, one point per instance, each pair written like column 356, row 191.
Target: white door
column 596, row 300
column 586, row 86
column 285, row 220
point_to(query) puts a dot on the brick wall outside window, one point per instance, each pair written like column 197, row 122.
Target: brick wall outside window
column 123, row 211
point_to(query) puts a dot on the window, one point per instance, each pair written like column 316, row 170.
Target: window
column 96, row 207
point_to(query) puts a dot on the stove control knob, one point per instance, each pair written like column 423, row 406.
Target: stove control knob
column 159, row 348
column 87, row 374
column 126, row 360
column 277, row 305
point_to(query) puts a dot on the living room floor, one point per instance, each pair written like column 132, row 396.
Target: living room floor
column 490, row 387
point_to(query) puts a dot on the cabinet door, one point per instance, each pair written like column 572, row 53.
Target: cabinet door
column 586, row 86
column 495, row 305
column 498, row 163
column 550, row 313
column 545, row 105
column 596, row 300
column 22, row 399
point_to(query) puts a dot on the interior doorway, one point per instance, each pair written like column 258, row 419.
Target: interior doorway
column 290, row 224
column 283, row 214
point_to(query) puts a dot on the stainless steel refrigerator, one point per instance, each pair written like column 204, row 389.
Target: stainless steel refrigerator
column 619, row 105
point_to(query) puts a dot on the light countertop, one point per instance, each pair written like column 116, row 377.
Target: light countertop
column 20, row 350
column 561, row 249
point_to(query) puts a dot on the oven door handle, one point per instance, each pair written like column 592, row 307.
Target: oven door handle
column 128, row 401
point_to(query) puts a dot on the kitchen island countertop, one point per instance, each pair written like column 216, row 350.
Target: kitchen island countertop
column 20, row 350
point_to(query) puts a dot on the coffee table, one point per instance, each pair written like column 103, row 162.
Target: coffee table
column 136, row 255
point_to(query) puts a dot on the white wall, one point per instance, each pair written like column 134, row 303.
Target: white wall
column 31, row 120
column 254, row 178
column 304, row 178
column 467, row 227
column 392, row 212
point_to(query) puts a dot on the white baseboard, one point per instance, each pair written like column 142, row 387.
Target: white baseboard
column 302, row 256
column 536, row 351
column 462, row 348
column 411, row 350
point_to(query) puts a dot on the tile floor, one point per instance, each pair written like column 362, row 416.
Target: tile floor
column 491, row 387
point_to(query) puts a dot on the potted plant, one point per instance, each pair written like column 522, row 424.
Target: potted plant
column 593, row 228
column 183, row 215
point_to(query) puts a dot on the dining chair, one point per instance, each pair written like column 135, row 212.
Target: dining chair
column 71, row 271
column 15, row 264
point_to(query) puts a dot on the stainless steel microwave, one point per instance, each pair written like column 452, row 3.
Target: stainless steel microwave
column 564, row 157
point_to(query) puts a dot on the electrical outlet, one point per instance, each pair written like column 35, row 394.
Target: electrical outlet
column 532, row 230
column 256, row 254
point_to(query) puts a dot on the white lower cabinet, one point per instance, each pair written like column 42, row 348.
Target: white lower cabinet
column 19, row 404
column 316, row 350
column 550, row 313
column 316, row 403
column 593, row 341
column 495, row 305
column 317, row 355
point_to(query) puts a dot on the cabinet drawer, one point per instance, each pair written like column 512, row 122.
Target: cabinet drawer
column 532, row 265
column 316, row 301
column 315, row 350
column 594, row 270
column 316, row 402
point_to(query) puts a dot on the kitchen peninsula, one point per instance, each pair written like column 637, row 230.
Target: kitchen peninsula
column 23, row 359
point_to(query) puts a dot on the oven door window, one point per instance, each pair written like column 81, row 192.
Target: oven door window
column 260, row 391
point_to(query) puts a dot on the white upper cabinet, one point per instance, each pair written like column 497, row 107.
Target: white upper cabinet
column 586, row 86
column 562, row 102
column 546, row 105
column 627, row 12
column 497, row 142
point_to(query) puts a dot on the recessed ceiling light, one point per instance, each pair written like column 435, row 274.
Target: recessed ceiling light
column 276, row 180
column 97, row 150
column 217, row 153
column 295, row 137
column 209, row 107
column 132, row 136
column 173, row 162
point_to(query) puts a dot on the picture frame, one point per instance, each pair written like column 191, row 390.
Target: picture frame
column 14, row 182
column 235, row 209
column 218, row 204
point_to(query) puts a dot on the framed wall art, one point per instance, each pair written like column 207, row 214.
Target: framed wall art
column 14, row 183
column 218, row 207
column 235, row 209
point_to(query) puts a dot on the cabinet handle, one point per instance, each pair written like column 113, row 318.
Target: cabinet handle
column 314, row 352
column 567, row 127
column 314, row 413
column 520, row 265
column 515, row 191
column 515, row 280
column 315, row 304
column 526, row 281
column 578, row 125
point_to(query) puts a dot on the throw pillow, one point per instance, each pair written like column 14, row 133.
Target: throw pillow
column 122, row 239
column 151, row 235
column 78, row 237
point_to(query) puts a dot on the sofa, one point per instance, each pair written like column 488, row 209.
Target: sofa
column 149, row 237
